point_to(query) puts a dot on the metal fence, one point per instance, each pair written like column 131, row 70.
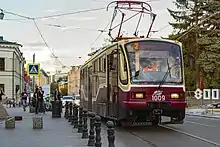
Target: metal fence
column 193, row 102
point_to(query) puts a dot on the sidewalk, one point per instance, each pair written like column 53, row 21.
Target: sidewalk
column 56, row 133
column 209, row 113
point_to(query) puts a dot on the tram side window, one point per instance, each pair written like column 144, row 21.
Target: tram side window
column 96, row 65
column 123, row 69
column 104, row 64
column 100, row 64
column 93, row 65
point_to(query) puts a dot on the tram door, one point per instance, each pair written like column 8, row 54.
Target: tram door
column 112, row 82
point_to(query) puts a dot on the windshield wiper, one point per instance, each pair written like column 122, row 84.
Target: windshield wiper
column 136, row 74
column 166, row 75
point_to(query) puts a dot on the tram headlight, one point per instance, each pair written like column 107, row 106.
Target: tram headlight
column 139, row 95
column 175, row 95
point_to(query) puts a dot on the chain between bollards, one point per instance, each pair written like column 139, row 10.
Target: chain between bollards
column 85, row 134
column 98, row 131
column 80, row 125
column 91, row 141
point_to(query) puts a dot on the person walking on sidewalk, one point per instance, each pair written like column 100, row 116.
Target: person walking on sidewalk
column 24, row 99
column 36, row 93
column 41, row 100
column 1, row 94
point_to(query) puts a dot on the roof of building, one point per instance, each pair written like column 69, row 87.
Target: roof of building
column 44, row 73
column 5, row 42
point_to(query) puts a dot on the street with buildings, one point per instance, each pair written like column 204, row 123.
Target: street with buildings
column 154, row 86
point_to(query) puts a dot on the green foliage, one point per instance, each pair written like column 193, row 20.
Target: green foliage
column 53, row 87
column 64, row 91
column 201, row 44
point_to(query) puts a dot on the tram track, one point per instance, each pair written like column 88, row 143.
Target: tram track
column 191, row 135
column 146, row 135
column 147, row 141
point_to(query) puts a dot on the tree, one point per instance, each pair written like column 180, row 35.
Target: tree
column 209, row 43
column 64, row 91
column 188, row 15
column 53, row 86
column 107, row 41
column 201, row 45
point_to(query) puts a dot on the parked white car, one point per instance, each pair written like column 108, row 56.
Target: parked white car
column 65, row 99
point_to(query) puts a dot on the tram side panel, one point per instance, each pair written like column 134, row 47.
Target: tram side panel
column 99, row 100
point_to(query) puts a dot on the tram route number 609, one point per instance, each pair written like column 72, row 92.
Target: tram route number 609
column 157, row 96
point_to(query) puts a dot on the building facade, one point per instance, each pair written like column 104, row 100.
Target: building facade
column 59, row 76
column 11, row 69
column 43, row 79
column 74, row 80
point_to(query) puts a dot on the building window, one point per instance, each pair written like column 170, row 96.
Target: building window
column 2, row 64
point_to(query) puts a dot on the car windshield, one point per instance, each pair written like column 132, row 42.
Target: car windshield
column 77, row 97
column 68, row 98
column 152, row 60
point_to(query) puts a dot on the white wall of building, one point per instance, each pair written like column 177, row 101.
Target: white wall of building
column 13, row 74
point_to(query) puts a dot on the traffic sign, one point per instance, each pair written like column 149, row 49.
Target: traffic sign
column 33, row 69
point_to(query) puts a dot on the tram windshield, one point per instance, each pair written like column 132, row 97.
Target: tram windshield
column 150, row 61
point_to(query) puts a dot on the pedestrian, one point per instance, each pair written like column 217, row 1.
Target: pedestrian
column 57, row 98
column 24, row 97
column 35, row 97
column 41, row 100
column 57, row 94
column 1, row 95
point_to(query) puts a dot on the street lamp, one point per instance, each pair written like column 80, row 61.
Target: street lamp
column 1, row 14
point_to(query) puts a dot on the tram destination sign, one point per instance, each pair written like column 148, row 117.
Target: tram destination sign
column 207, row 94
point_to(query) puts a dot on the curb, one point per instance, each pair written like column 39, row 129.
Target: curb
column 210, row 110
column 204, row 116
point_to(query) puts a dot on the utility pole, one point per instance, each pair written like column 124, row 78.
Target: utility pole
column 33, row 76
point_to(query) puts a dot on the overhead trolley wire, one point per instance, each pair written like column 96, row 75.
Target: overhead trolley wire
column 71, row 13
column 41, row 35
column 56, row 15
column 102, row 31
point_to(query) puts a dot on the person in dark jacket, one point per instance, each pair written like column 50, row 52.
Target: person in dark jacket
column 24, row 97
column 41, row 100
column 35, row 103
column 57, row 98
column 1, row 94
column 57, row 95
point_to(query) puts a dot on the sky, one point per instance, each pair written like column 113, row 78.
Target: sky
column 73, row 41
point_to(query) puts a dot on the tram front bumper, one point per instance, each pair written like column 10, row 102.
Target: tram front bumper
column 155, row 105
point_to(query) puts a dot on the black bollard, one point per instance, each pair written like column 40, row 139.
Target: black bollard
column 66, row 110
column 80, row 125
column 91, row 141
column 98, row 139
column 71, row 111
column 73, row 117
column 76, row 123
column 85, row 134
column 111, row 134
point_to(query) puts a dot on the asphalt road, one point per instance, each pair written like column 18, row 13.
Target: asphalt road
column 195, row 132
